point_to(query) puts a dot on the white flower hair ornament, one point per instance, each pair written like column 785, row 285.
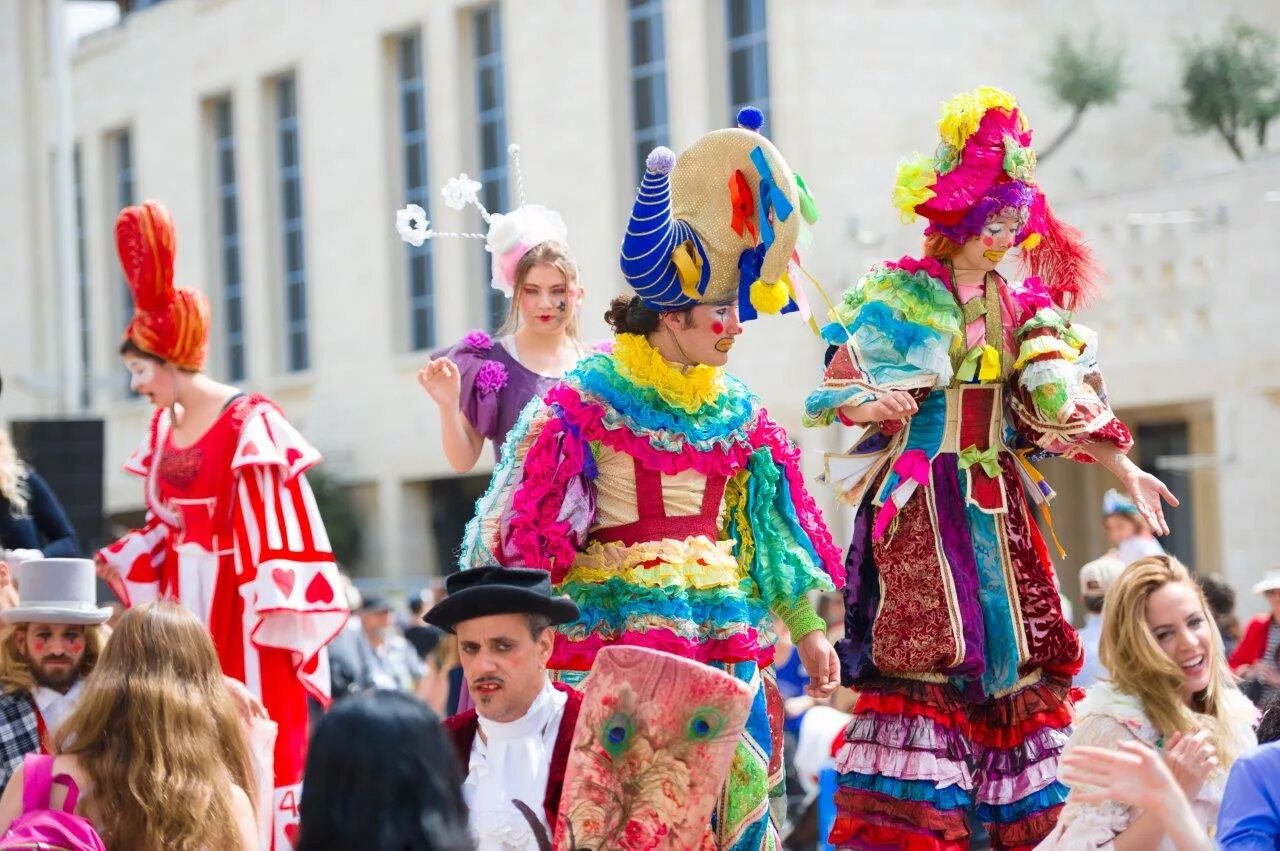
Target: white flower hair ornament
column 509, row 236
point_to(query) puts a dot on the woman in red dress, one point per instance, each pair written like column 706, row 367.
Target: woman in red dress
column 232, row 530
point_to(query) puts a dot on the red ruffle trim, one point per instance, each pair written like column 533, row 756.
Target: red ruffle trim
column 570, row 655
column 1024, row 834
column 1001, row 722
column 867, row 820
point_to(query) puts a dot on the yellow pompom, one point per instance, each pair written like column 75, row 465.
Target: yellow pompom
column 912, row 187
column 770, row 298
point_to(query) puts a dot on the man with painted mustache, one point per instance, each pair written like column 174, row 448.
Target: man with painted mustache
column 514, row 744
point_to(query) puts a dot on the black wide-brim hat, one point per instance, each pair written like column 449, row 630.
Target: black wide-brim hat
column 485, row 591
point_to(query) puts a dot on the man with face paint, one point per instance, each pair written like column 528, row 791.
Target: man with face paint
column 513, row 744
column 653, row 486
column 51, row 641
column 955, row 640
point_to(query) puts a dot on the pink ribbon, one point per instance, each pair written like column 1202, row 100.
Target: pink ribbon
column 505, row 264
column 912, row 468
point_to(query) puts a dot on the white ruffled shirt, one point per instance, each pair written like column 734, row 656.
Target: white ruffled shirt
column 511, row 762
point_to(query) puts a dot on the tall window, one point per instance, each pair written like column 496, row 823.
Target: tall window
column 224, row 159
column 82, row 285
column 748, row 56
column 648, row 77
column 297, row 354
column 122, row 154
column 413, row 144
column 491, row 113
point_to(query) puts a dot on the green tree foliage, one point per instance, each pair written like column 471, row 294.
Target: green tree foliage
column 1232, row 86
column 341, row 521
column 1081, row 76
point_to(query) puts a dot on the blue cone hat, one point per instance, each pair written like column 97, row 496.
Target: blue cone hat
column 717, row 225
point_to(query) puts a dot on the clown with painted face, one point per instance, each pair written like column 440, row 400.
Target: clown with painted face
column 232, row 530
column 958, row 379
column 651, row 483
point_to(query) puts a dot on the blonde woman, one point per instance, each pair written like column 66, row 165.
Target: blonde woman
column 1170, row 689
column 32, row 522
column 155, row 746
column 483, row 383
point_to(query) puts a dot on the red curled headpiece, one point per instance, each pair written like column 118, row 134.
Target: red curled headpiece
column 168, row 322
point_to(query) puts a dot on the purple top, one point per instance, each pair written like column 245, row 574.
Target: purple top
column 495, row 386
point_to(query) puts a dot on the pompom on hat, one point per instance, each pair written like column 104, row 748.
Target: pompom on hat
column 984, row 163
column 718, row 224
column 169, row 322
column 510, row 235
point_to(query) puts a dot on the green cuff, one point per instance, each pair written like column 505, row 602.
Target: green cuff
column 800, row 618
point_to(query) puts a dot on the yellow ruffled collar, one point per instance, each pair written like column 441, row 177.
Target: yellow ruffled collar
column 685, row 387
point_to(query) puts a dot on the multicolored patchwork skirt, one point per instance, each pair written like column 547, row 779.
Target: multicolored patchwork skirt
column 955, row 639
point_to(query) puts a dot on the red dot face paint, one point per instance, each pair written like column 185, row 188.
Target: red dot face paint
column 988, row 241
column 717, row 328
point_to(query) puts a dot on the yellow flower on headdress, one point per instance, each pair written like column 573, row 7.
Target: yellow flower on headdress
column 963, row 113
column 960, row 117
column 912, row 187
column 992, row 98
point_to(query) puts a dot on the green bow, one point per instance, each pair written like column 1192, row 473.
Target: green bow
column 982, row 362
column 808, row 207
column 988, row 459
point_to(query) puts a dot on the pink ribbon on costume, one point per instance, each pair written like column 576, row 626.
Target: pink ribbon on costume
column 912, row 468
column 1032, row 295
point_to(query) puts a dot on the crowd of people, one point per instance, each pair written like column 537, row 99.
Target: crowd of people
column 652, row 633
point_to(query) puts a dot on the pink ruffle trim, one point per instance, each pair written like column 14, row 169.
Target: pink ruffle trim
column 536, row 535
column 570, row 655
column 903, row 764
column 588, row 418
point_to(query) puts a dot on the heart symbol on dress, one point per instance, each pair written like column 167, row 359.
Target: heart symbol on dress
column 291, row 833
column 250, row 448
column 319, row 590
column 142, row 569
column 284, row 579
column 291, row 456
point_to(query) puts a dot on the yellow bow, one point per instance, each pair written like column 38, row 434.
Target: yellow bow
column 988, row 459
column 689, row 267
column 984, row 361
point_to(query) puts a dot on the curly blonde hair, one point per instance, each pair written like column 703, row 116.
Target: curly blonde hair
column 15, row 667
column 159, row 737
column 1138, row 666
column 13, row 476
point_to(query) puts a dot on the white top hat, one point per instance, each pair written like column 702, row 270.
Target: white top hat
column 57, row 590
column 1270, row 582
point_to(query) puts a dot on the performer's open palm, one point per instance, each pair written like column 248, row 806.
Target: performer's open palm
column 1147, row 491
column 442, row 381
column 820, row 660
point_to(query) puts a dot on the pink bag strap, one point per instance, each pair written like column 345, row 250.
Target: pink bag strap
column 37, row 784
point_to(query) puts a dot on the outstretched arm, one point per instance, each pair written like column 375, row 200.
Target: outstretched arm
column 1147, row 492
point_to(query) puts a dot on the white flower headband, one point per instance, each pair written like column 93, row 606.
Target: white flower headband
column 510, row 235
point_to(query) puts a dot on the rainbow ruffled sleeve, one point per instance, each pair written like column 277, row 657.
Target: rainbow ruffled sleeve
column 1060, row 401
column 540, row 501
column 898, row 328
column 782, row 539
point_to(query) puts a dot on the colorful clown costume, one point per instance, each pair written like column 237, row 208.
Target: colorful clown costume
column 955, row 638
column 672, row 509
